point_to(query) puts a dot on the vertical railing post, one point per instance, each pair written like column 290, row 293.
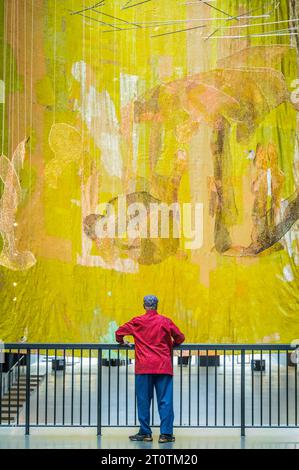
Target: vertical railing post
column 243, row 393
column 27, row 411
column 99, row 394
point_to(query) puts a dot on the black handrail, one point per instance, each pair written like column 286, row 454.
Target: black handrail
column 216, row 390
column 185, row 346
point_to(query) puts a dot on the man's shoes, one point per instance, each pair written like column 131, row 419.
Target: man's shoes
column 166, row 438
column 141, row 437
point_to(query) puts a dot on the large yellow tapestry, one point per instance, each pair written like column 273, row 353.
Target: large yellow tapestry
column 116, row 107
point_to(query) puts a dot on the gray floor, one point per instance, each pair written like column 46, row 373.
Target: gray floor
column 113, row 438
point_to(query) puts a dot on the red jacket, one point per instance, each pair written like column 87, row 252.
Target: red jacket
column 155, row 336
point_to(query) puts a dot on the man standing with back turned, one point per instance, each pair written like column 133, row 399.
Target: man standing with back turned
column 155, row 336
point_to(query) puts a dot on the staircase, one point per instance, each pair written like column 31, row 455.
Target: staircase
column 13, row 400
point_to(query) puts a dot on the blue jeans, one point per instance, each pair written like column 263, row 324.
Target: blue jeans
column 145, row 384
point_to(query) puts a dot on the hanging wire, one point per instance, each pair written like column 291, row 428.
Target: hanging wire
column 83, row 102
column 267, row 23
column 54, row 61
column 18, row 65
column 114, row 82
column 31, row 109
column 100, row 76
column 262, row 35
column 4, row 74
column 12, row 111
column 9, row 130
column 25, row 65
column 158, row 23
column 92, row 126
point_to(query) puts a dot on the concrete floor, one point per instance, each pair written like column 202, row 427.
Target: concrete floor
column 113, row 438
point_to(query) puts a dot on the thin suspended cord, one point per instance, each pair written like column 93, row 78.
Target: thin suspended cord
column 31, row 106
column 83, row 84
column 25, row 85
column 83, row 101
column 137, row 129
column 146, row 163
column 14, row 110
column 31, row 78
column 100, row 72
column 114, row 60
column 10, row 86
column 170, row 22
column 15, row 101
column 54, row 62
column 25, row 64
column 283, row 32
column 98, row 61
column 159, row 24
column 18, row 62
column 93, row 123
column 14, row 77
column 17, row 91
column 4, row 73
column 13, row 80
column 9, row 133
column 258, row 24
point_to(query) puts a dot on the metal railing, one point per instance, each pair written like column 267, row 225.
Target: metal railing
column 12, row 376
column 11, row 380
column 230, row 386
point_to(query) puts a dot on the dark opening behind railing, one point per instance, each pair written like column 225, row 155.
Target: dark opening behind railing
column 233, row 386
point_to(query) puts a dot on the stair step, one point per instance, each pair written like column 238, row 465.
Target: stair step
column 13, row 411
column 13, row 396
column 21, row 389
column 16, row 396
column 18, row 390
column 31, row 380
column 21, row 400
column 22, row 385
column 37, row 377
column 24, row 382
column 5, row 406
column 7, row 400
column 11, row 405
